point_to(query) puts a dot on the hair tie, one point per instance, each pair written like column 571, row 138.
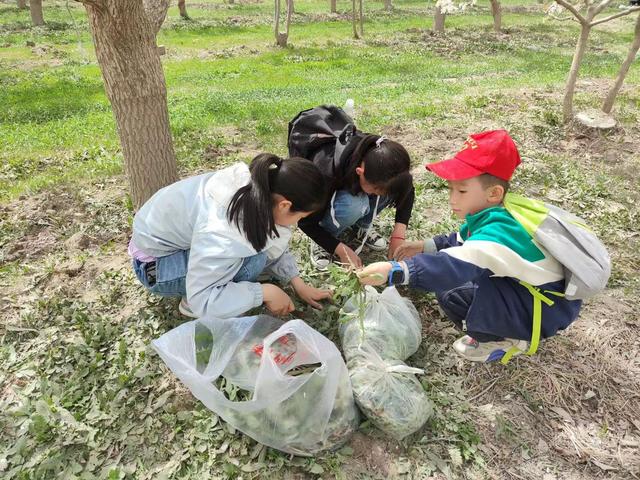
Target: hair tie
column 277, row 163
column 380, row 140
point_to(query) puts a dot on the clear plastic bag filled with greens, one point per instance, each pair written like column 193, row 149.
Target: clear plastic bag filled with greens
column 388, row 393
column 297, row 396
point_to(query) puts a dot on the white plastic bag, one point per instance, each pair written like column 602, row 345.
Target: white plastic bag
column 391, row 324
column 388, row 393
column 300, row 413
column 385, row 388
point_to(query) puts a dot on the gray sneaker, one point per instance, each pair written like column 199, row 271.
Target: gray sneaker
column 320, row 258
column 475, row 351
column 375, row 241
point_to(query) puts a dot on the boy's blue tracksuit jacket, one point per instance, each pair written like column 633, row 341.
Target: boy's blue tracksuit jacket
column 494, row 252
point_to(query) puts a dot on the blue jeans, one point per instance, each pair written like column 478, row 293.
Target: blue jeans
column 456, row 304
column 352, row 210
column 167, row 275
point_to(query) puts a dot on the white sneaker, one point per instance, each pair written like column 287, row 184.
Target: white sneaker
column 375, row 241
column 185, row 310
column 475, row 351
column 320, row 258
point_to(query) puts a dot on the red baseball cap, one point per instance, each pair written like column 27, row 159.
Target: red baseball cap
column 490, row 152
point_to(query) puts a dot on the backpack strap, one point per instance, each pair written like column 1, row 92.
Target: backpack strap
column 538, row 298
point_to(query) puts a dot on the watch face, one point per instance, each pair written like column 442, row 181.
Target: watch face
column 397, row 276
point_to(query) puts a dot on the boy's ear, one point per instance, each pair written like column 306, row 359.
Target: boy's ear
column 284, row 205
column 495, row 194
column 359, row 171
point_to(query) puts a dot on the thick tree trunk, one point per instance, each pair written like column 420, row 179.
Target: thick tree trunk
column 156, row 10
column 183, row 9
column 334, row 7
column 496, row 11
column 36, row 12
column 388, row 6
column 438, row 20
column 125, row 44
column 613, row 93
column 567, row 103
column 22, row 4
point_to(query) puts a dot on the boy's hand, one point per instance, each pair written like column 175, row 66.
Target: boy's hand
column 276, row 300
column 408, row 249
column 348, row 256
column 310, row 294
column 375, row 274
column 394, row 244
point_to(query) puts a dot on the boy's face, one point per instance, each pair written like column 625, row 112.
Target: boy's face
column 469, row 196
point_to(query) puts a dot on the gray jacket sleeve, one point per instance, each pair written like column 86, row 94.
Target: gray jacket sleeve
column 284, row 268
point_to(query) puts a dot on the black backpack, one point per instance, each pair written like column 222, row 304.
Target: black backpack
column 327, row 136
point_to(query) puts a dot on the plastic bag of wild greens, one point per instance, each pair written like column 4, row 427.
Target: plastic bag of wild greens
column 283, row 384
column 389, row 393
column 379, row 330
column 386, row 321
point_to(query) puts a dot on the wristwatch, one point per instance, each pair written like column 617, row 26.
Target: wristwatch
column 396, row 274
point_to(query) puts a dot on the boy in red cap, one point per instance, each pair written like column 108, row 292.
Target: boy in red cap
column 479, row 274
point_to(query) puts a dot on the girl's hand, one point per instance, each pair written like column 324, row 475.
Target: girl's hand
column 276, row 300
column 375, row 274
column 310, row 294
column 408, row 249
column 348, row 256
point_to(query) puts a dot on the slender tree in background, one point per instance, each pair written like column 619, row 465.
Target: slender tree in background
column 446, row 7
column 438, row 19
column 357, row 19
column 22, row 4
column 584, row 12
column 633, row 51
column 334, row 7
column 124, row 34
column 496, row 11
column 35, row 6
column 183, row 9
column 282, row 37
column 388, row 6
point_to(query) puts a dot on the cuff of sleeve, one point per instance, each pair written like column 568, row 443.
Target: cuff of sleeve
column 258, row 298
column 429, row 246
column 412, row 274
column 405, row 268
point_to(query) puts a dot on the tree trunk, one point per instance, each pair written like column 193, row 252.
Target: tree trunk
column 613, row 93
column 388, row 6
column 361, row 17
column 125, row 43
column 183, row 9
column 334, row 7
column 357, row 19
column 567, row 104
column 156, row 11
column 282, row 37
column 438, row 20
column 496, row 11
column 22, row 4
column 353, row 19
column 36, row 12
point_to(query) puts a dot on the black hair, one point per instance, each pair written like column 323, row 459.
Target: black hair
column 487, row 181
column 386, row 165
column 296, row 179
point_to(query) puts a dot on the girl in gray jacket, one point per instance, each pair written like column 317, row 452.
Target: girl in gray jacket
column 207, row 238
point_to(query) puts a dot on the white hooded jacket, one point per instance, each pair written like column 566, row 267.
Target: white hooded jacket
column 192, row 215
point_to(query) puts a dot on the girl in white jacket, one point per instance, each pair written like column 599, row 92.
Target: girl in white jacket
column 207, row 238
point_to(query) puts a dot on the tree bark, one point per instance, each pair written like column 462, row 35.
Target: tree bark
column 357, row 18
column 334, row 7
column 438, row 20
column 567, row 103
column 183, row 9
column 613, row 93
column 156, row 10
column 36, row 12
column 496, row 11
column 388, row 6
column 125, row 43
column 22, row 4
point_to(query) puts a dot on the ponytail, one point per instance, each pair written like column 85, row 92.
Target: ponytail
column 296, row 179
